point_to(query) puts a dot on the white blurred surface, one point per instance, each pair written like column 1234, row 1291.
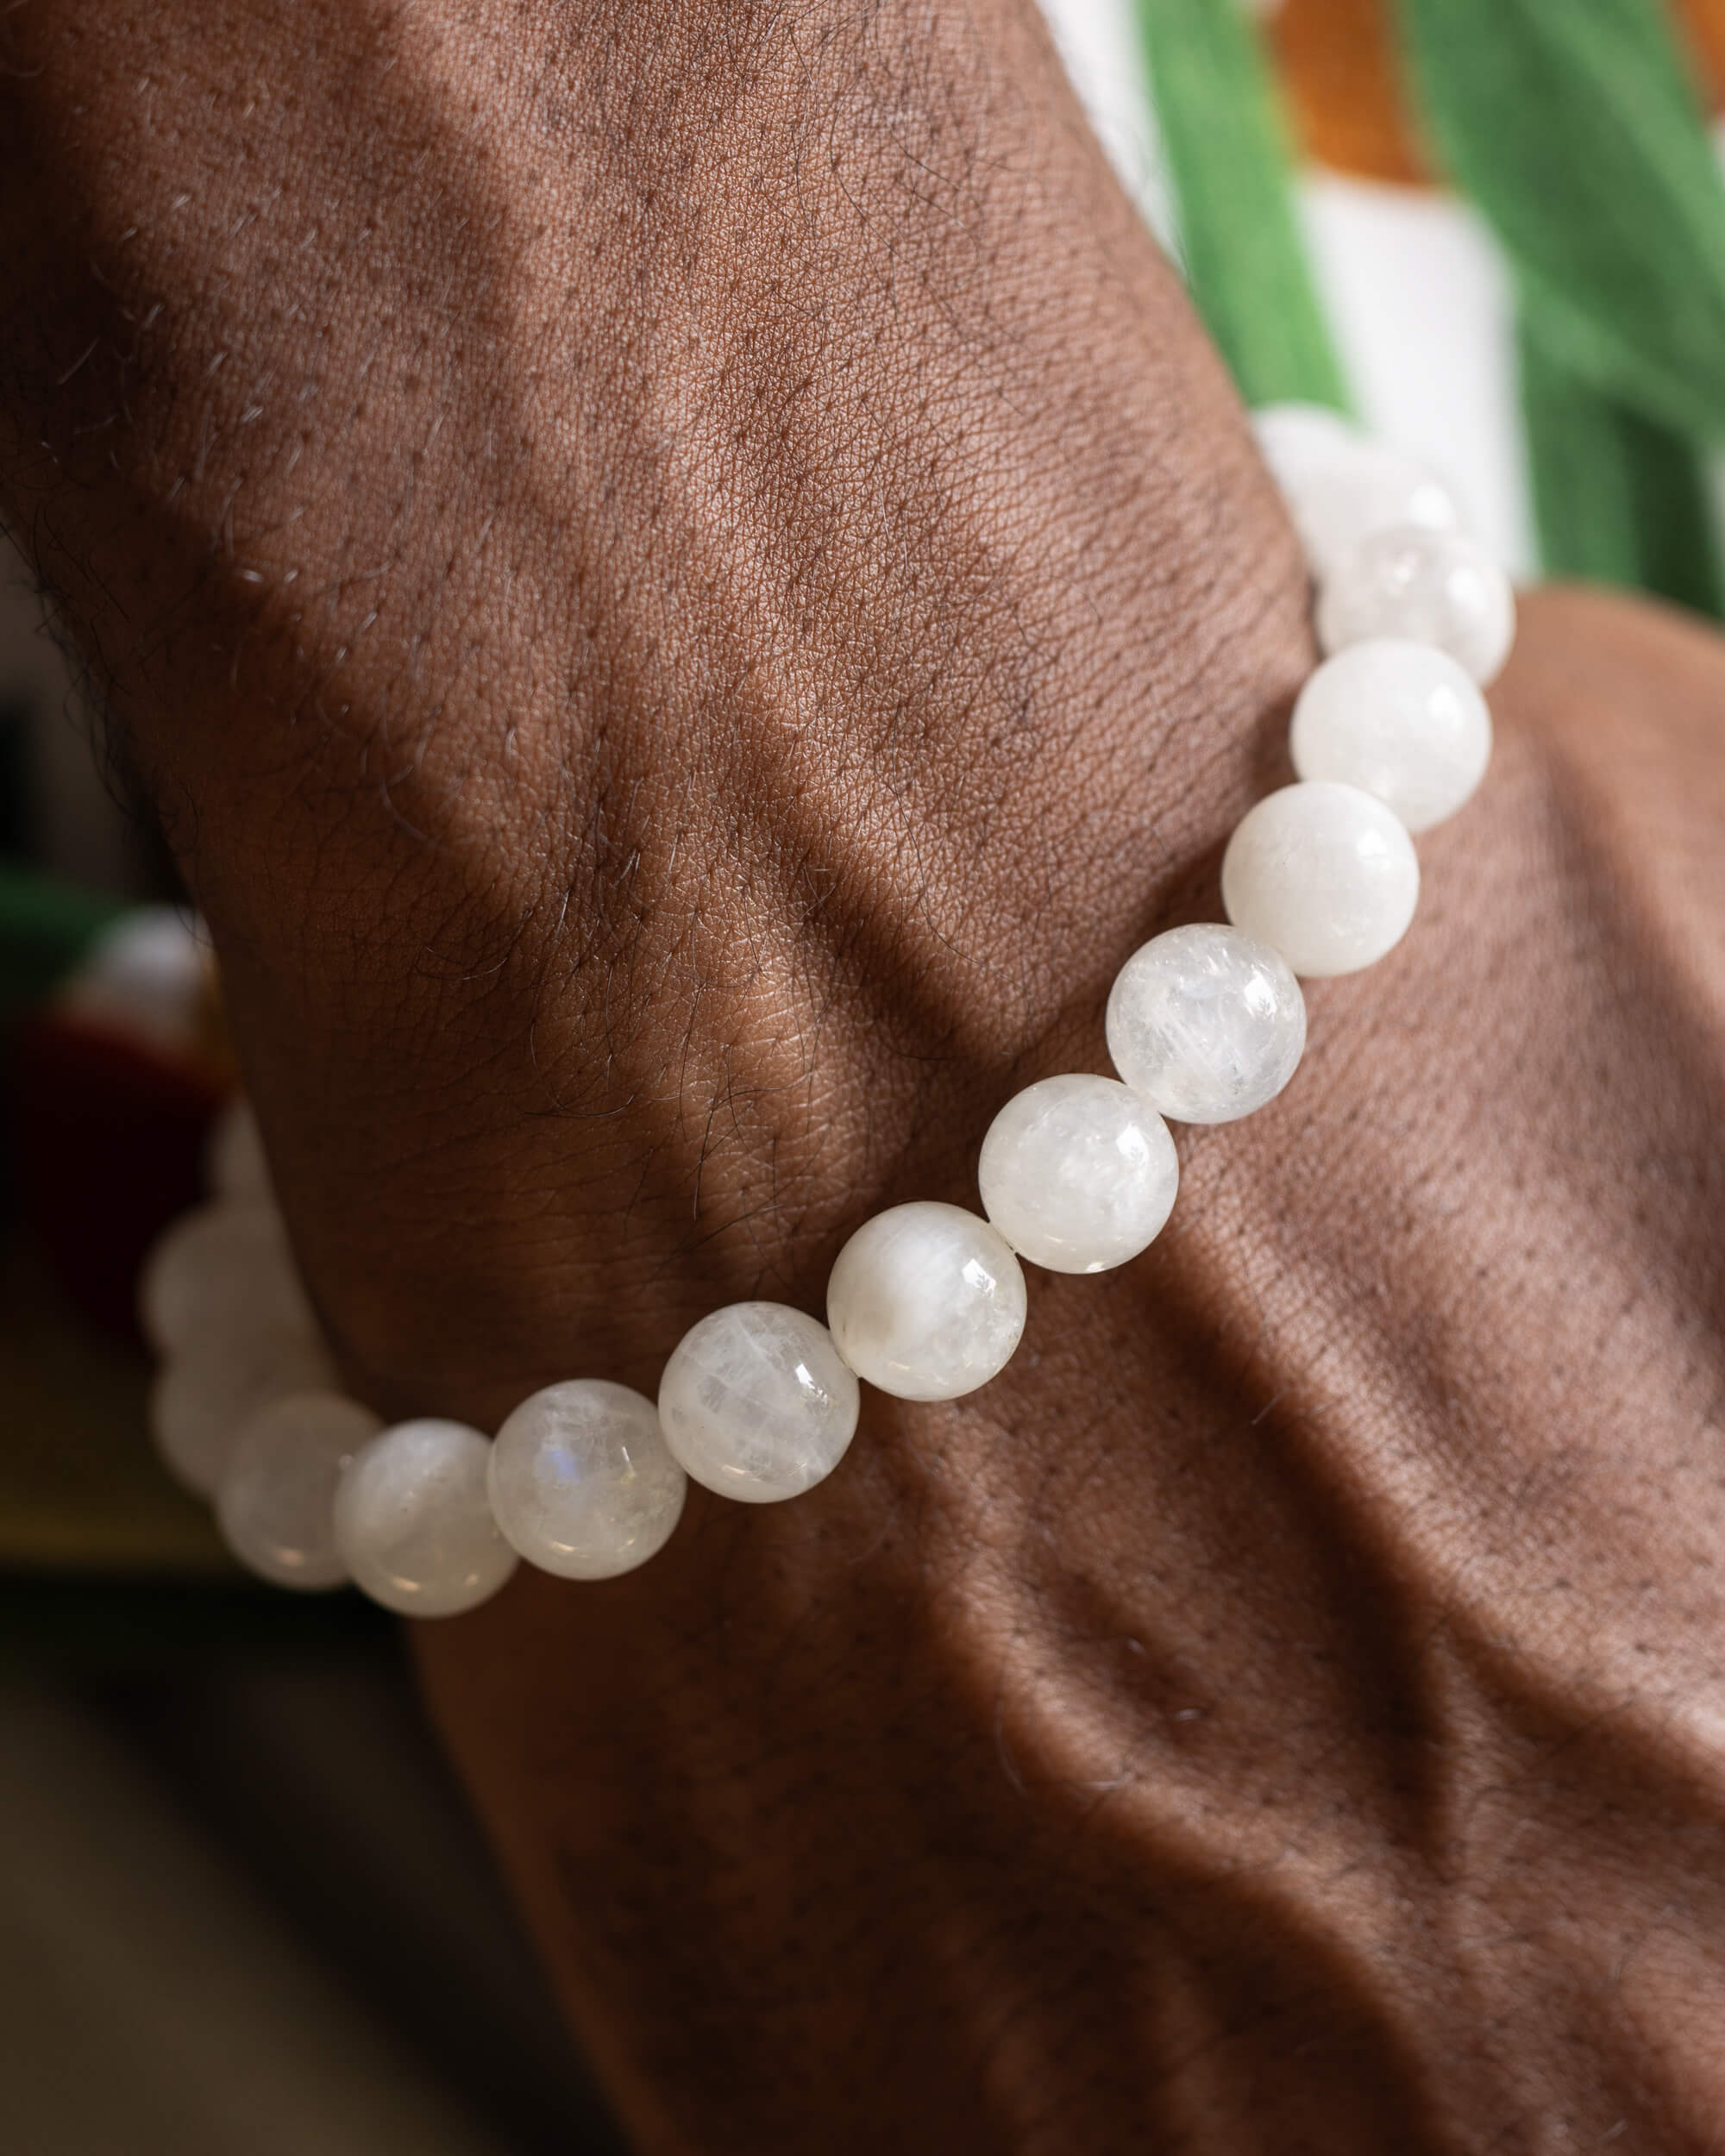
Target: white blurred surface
column 1413, row 284
column 1419, row 301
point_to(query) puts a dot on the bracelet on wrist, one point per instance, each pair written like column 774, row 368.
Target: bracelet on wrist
column 926, row 1301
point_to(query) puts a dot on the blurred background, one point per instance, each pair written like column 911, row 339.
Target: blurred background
column 241, row 1908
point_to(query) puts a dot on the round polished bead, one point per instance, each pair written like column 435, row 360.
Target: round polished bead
column 926, row 1301
column 413, row 1520
column 204, row 1395
column 1207, row 1024
column 1323, row 873
column 582, row 1483
column 1429, row 587
column 224, row 1268
column 234, row 1163
column 756, row 1403
column 1078, row 1174
column 275, row 1503
column 1402, row 722
column 1340, row 487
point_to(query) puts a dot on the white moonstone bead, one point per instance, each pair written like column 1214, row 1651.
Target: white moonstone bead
column 1340, row 487
column 1401, row 721
column 223, row 1268
column 234, row 1163
column 926, row 1301
column 1323, row 873
column 1078, row 1174
column 582, row 1483
column 413, row 1521
column 276, row 1501
column 1207, row 1025
column 756, row 1404
column 204, row 1395
column 1431, row 587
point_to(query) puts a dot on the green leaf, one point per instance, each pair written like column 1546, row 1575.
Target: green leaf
column 1228, row 161
column 1574, row 126
column 1617, row 498
column 45, row 927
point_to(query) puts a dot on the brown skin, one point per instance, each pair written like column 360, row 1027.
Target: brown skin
column 687, row 589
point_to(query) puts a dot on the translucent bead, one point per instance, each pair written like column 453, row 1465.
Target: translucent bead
column 926, row 1301
column 275, row 1505
column 756, row 1404
column 1323, row 873
column 1207, row 1025
column 223, row 1268
column 1431, row 587
column 1078, row 1174
column 1401, row 721
column 204, row 1395
column 413, row 1521
column 1340, row 487
column 234, row 1165
column 582, row 1483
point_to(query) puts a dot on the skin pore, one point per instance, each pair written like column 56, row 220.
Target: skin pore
column 687, row 589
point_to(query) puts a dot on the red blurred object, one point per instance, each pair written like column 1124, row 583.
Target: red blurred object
column 109, row 1140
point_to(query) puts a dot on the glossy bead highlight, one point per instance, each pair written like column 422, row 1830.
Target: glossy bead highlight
column 1079, row 1174
column 413, row 1521
column 1207, row 1024
column 756, row 1402
column 582, row 1483
column 926, row 1301
column 1428, row 587
column 1402, row 722
column 1323, row 873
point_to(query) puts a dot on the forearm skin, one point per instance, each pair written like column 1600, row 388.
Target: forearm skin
column 687, row 590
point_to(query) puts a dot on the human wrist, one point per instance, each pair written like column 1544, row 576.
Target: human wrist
column 528, row 768
column 927, row 1301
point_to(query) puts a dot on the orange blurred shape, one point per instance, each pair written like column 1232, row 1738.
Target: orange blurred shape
column 1340, row 68
column 1706, row 23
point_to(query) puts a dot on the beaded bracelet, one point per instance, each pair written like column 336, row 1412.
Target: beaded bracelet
column 926, row 1301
